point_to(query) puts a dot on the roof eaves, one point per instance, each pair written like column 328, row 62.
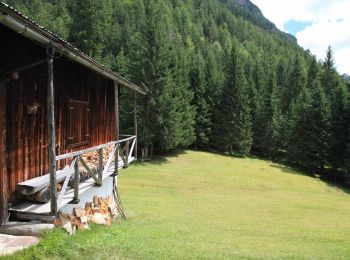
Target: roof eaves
column 12, row 18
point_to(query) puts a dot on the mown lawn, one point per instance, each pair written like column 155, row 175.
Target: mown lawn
column 198, row 205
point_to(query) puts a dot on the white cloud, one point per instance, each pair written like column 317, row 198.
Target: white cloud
column 330, row 25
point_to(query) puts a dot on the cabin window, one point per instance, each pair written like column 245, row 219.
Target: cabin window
column 78, row 123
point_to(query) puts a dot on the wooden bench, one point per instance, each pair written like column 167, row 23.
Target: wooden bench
column 32, row 186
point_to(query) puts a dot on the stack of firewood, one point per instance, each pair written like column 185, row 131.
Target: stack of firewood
column 101, row 211
column 92, row 160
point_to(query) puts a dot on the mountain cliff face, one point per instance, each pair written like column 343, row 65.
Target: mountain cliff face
column 248, row 5
column 251, row 12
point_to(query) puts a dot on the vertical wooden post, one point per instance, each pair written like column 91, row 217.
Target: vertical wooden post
column 116, row 114
column 100, row 165
column 3, row 165
column 135, row 123
column 126, row 154
column 76, row 182
column 51, row 132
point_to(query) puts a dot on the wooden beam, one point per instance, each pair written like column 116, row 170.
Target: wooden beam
column 51, row 132
column 66, row 181
column 34, row 185
column 100, row 164
column 33, row 216
column 25, row 67
column 126, row 154
column 81, row 152
column 116, row 115
column 76, row 182
column 89, row 171
column 3, row 154
column 92, row 149
column 25, row 228
column 135, row 123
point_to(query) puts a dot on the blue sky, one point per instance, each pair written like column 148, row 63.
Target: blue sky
column 293, row 27
column 315, row 23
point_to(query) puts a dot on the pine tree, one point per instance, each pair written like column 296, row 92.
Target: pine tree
column 233, row 129
column 158, row 62
column 91, row 24
column 297, row 81
column 319, row 129
column 199, row 86
column 309, row 137
column 299, row 135
column 338, row 129
column 263, row 129
column 329, row 77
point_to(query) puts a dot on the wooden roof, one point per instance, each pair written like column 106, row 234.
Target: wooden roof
column 16, row 21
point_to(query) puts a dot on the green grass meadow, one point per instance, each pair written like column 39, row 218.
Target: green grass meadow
column 197, row 205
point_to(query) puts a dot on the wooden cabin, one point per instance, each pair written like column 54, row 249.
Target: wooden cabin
column 56, row 105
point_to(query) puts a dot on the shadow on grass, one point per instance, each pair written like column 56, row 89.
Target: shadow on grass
column 284, row 167
column 163, row 159
column 291, row 170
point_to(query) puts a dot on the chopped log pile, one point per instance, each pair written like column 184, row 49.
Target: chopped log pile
column 101, row 211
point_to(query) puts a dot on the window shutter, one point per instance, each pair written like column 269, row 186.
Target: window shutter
column 78, row 123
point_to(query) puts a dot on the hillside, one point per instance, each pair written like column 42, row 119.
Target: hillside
column 196, row 205
column 218, row 75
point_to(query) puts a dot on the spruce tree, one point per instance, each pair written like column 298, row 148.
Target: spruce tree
column 297, row 80
column 338, row 129
column 199, row 86
column 299, row 135
column 233, row 129
column 319, row 129
column 158, row 61
column 329, row 77
column 309, row 137
column 92, row 20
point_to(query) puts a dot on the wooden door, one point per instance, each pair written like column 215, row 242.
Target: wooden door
column 3, row 162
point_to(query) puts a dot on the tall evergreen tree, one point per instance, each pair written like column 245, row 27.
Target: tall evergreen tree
column 297, row 80
column 91, row 25
column 158, row 62
column 329, row 76
column 319, row 129
column 299, row 135
column 233, row 129
column 309, row 137
column 338, row 129
column 199, row 86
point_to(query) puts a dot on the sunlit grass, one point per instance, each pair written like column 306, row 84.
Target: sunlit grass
column 202, row 205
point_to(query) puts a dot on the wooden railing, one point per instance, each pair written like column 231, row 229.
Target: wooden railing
column 123, row 148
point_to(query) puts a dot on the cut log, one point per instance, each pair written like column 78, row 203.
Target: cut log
column 25, row 228
column 99, row 219
column 96, row 201
column 77, row 212
column 66, row 224
column 34, row 185
column 42, row 196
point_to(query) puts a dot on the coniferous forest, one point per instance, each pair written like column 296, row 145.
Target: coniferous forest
column 218, row 76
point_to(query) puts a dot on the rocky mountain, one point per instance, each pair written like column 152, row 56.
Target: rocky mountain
column 249, row 11
column 346, row 77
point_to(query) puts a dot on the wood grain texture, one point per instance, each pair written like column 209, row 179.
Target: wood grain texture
column 3, row 169
column 27, row 145
column 51, row 128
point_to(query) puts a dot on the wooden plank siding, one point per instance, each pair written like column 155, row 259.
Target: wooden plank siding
column 27, row 146
column 3, row 168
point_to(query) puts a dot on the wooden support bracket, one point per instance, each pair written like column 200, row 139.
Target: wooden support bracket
column 92, row 175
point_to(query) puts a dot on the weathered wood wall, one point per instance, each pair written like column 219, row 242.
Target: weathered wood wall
column 27, row 130
column 3, row 168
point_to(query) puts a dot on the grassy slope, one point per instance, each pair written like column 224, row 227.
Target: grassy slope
column 201, row 205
